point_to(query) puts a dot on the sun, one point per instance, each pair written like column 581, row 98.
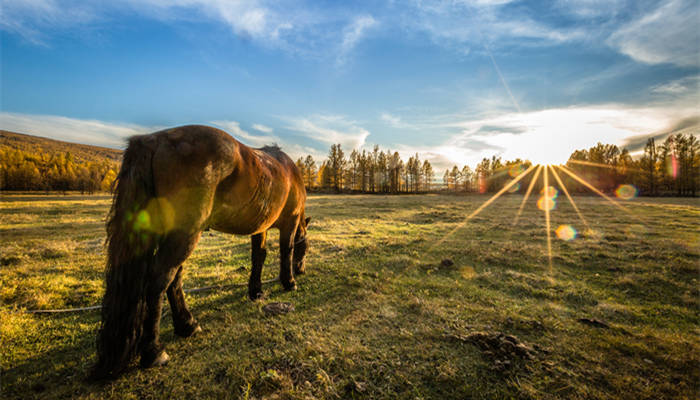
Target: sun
column 541, row 156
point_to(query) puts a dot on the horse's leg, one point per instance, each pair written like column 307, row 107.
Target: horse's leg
column 258, row 254
column 286, row 246
column 173, row 251
column 185, row 325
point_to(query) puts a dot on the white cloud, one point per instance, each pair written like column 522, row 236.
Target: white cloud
column 668, row 34
column 587, row 9
column 330, row 129
column 684, row 86
column 31, row 19
column 288, row 145
column 93, row 132
column 392, row 120
column 262, row 128
column 234, row 128
column 281, row 24
column 352, row 35
column 461, row 24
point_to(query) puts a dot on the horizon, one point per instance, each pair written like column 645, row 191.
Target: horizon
column 452, row 81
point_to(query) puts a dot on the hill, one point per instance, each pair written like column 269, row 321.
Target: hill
column 35, row 163
column 80, row 152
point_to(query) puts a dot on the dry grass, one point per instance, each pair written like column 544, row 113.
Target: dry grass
column 377, row 314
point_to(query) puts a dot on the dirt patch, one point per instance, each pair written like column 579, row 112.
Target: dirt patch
column 504, row 351
column 594, row 322
column 278, row 308
column 10, row 260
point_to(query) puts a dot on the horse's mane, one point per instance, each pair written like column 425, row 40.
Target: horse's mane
column 273, row 149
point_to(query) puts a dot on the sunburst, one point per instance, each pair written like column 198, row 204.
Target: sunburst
column 545, row 203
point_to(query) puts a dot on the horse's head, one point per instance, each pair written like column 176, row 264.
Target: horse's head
column 300, row 246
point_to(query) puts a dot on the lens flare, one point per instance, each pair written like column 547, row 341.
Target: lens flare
column 551, row 192
column 546, row 203
column 515, row 188
column 566, row 232
column 143, row 221
column 516, row 170
column 626, row 192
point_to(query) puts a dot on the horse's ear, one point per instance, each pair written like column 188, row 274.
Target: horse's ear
column 307, row 220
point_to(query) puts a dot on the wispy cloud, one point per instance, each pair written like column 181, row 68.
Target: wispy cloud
column 679, row 87
column 99, row 133
column 465, row 25
column 234, row 128
column 287, row 144
column 330, row 129
column 34, row 19
column 394, row 121
column 262, row 128
column 667, row 34
column 352, row 34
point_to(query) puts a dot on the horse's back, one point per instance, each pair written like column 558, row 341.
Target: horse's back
column 208, row 178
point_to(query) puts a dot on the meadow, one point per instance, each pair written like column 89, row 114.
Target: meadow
column 395, row 304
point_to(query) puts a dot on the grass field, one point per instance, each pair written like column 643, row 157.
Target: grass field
column 379, row 314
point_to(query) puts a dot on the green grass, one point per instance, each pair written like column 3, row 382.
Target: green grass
column 376, row 314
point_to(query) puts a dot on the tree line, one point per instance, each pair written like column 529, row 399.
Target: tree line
column 373, row 171
column 40, row 170
column 672, row 168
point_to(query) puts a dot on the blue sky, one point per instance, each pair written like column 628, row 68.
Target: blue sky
column 452, row 80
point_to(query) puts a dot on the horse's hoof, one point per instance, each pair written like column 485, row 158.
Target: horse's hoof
column 188, row 330
column 290, row 286
column 161, row 359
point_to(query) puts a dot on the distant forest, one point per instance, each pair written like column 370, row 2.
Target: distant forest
column 34, row 163
column 670, row 168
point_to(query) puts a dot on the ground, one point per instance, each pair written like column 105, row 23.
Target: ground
column 395, row 304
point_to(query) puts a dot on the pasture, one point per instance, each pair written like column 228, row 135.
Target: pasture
column 387, row 309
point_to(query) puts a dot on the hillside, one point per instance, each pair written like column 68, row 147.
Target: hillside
column 36, row 163
column 80, row 152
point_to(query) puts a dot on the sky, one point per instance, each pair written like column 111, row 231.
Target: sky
column 454, row 81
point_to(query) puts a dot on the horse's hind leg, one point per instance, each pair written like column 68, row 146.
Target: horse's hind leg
column 286, row 247
column 173, row 251
column 184, row 323
column 258, row 255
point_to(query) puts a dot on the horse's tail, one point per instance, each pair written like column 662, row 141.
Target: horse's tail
column 131, row 247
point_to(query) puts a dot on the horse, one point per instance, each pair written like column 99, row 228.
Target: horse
column 172, row 185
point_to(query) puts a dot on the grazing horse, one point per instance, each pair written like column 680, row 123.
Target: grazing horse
column 172, row 185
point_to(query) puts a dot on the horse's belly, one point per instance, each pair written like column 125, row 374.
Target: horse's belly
column 247, row 220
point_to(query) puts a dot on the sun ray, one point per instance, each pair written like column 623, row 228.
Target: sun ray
column 546, row 216
column 568, row 196
column 527, row 194
column 592, row 188
column 592, row 164
column 486, row 204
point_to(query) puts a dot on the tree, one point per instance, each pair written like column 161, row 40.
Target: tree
column 310, row 169
column 649, row 165
column 336, row 166
column 428, row 175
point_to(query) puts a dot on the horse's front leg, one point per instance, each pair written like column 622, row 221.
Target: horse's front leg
column 286, row 247
column 258, row 255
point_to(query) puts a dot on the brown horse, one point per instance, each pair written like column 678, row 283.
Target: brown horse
column 172, row 185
